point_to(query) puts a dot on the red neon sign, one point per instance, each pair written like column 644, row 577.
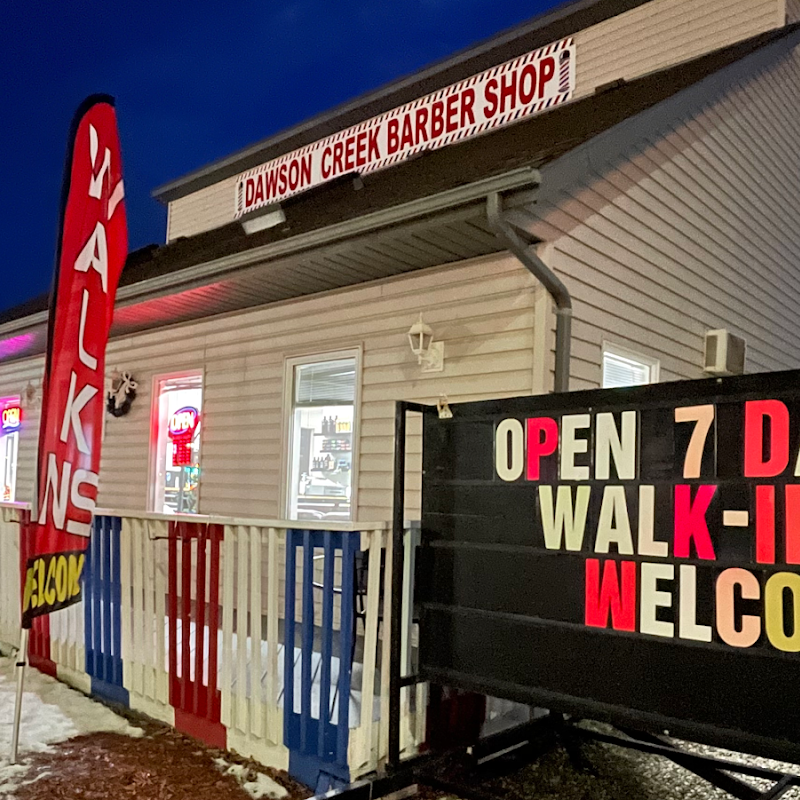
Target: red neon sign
column 181, row 430
column 12, row 417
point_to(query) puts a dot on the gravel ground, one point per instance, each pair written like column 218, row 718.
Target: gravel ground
column 615, row 773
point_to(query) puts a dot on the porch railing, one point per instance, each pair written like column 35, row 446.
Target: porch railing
column 268, row 637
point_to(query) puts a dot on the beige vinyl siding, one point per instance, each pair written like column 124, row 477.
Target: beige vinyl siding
column 696, row 229
column 665, row 32
column 483, row 310
column 648, row 38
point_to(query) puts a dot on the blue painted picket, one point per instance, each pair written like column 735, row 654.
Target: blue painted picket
column 318, row 747
column 102, row 592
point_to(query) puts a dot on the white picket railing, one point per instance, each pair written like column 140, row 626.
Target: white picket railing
column 249, row 650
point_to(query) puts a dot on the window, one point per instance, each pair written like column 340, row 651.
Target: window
column 322, row 437
column 175, row 443
column 9, row 447
column 625, row 368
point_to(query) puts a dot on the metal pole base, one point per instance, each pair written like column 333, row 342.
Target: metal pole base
column 22, row 662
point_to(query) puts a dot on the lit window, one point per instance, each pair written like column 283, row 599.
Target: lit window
column 322, row 437
column 175, row 446
column 9, row 446
column 625, row 368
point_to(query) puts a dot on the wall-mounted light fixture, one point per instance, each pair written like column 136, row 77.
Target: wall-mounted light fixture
column 267, row 217
column 430, row 354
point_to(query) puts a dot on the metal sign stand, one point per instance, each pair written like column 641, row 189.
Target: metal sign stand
column 22, row 662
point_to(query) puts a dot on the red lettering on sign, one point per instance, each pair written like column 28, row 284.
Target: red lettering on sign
column 542, row 440
column 361, row 149
column 467, row 103
column 249, row 191
column 490, row 95
column 421, row 122
column 407, row 137
column 527, row 84
column 793, row 524
column 374, row 150
column 765, row 524
column 338, row 151
column 547, row 68
column 349, row 153
column 690, row 521
column 615, row 595
column 452, row 113
column 508, row 91
column 755, row 413
column 437, row 119
column 326, row 162
column 392, row 136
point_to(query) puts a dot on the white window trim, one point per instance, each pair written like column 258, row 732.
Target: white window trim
column 151, row 462
column 289, row 363
column 634, row 355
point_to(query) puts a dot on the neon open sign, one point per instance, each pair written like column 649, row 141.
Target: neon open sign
column 12, row 416
column 184, row 422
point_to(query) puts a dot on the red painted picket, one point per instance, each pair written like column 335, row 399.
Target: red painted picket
column 197, row 702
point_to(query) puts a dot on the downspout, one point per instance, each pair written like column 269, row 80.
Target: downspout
column 526, row 255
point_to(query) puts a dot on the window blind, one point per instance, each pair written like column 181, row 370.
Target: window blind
column 326, row 383
column 619, row 371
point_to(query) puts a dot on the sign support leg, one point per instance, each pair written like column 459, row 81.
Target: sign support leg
column 22, row 662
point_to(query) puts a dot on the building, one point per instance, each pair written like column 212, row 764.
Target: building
column 658, row 182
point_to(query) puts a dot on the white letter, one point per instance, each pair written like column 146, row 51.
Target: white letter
column 564, row 520
column 651, row 599
column 647, row 545
column 512, row 428
column 96, row 181
column 86, row 359
column 59, row 494
column 614, row 509
column 95, row 255
column 687, row 621
column 72, row 413
column 570, row 447
column 608, row 442
column 82, row 502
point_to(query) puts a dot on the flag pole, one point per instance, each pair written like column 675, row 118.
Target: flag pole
column 22, row 661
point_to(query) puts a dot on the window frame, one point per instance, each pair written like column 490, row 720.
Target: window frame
column 287, row 421
column 653, row 364
column 152, row 470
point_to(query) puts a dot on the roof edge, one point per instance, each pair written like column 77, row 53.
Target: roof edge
column 565, row 20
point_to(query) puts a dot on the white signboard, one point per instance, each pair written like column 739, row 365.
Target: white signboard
column 528, row 85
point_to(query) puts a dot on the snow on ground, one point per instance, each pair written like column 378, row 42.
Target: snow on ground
column 260, row 787
column 51, row 713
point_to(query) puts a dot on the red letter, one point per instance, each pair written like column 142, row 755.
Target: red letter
column 610, row 596
column 361, row 147
column 765, row 524
column 778, row 414
column 452, row 113
column 422, row 121
column 249, row 191
column 392, row 137
column 437, row 119
column 527, row 84
column 490, row 93
column 467, row 101
column 407, row 137
column 793, row 524
column 690, row 521
column 542, row 440
column 547, row 68
column 374, row 150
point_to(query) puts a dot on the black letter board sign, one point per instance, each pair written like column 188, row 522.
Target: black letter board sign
column 630, row 555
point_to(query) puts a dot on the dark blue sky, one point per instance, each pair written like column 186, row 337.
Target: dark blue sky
column 194, row 81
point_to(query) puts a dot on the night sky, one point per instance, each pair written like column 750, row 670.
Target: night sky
column 194, row 82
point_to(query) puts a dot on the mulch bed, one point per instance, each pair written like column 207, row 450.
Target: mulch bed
column 162, row 765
